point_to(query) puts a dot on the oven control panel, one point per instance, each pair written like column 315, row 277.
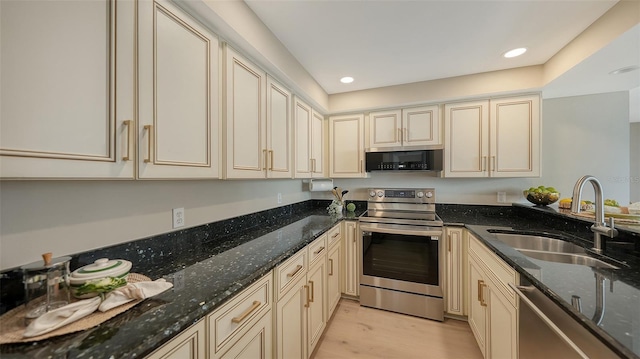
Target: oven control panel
column 425, row 195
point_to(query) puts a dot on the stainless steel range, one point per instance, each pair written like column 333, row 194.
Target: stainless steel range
column 401, row 261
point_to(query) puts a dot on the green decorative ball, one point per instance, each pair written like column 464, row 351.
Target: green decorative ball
column 351, row 207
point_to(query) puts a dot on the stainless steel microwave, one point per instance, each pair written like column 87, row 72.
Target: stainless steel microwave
column 417, row 160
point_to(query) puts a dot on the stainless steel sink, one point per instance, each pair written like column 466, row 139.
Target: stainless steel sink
column 541, row 247
column 538, row 243
column 568, row 258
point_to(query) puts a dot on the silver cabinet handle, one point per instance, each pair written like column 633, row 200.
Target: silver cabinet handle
column 547, row 321
column 149, row 129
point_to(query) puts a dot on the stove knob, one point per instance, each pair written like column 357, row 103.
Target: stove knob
column 380, row 194
column 429, row 194
column 372, row 194
column 420, row 194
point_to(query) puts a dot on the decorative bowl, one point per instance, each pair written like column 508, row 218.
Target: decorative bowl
column 541, row 198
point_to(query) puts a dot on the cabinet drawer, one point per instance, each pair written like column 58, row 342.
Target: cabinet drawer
column 334, row 235
column 287, row 273
column 317, row 249
column 229, row 322
column 501, row 272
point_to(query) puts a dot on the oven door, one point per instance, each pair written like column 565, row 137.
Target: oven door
column 401, row 257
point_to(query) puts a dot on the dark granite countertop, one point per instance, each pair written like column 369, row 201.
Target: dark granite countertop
column 208, row 265
column 619, row 325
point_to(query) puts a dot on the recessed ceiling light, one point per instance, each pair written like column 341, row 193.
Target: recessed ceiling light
column 346, row 80
column 624, row 70
column 515, row 52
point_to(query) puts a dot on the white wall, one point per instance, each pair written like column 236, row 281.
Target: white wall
column 580, row 135
column 634, row 151
column 66, row 217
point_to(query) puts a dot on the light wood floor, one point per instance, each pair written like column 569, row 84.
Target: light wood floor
column 360, row 332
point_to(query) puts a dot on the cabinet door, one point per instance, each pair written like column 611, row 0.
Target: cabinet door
column 466, row 146
column 503, row 325
column 477, row 305
column 291, row 324
column 333, row 278
column 317, row 145
column 385, row 129
column 279, row 130
column 455, row 255
column 421, row 126
column 245, row 122
column 302, row 114
column 515, row 137
column 178, row 94
column 346, row 146
column 190, row 344
column 67, row 103
column 255, row 343
column 316, row 311
column 351, row 259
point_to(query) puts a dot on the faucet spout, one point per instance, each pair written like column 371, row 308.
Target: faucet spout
column 599, row 228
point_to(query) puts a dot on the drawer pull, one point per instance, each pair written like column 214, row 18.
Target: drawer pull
column 335, row 235
column 298, row 268
column 254, row 306
column 330, row 266
column 312, row 294
column 318, row 251
column 306, row 305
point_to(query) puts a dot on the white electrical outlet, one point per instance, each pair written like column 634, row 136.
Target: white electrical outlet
column 279, row 198
column 178, row 217
column 502, row 197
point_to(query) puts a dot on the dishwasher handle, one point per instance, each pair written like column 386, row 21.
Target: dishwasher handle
column 547, row 321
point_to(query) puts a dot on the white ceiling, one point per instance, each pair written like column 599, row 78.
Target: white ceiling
column 382, row 43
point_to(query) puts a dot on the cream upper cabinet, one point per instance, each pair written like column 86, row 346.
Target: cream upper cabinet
column 493, row 138
column 245, row 118
column 514, row 142
column 178, row 94
column 309, row 141
column 419, row 126
column 279, row 131
column 318, row 168
column 302, row 124
column 346, row 146
column 73, row 117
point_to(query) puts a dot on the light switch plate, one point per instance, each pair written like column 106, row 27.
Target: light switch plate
column 502, row 197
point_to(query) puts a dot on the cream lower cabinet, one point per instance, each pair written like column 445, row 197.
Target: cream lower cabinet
column 72, row 117
column 455, row 265
column 493, row 138
column 190, row 344
column 178, row 125
column 493, row 306
column 351, row 259
column 346, row 146
column 301, row 304
column 240, row 328
column 334, row 269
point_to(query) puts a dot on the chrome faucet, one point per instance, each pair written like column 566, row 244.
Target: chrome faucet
column 599, row 228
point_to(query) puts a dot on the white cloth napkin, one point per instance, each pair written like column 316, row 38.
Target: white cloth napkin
column 133, row 291
column 57, row 318
column 70, row 313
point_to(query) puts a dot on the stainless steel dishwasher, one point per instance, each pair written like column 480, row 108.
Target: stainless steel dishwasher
column 547, row 331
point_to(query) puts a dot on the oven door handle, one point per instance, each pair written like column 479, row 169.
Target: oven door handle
column 401, row 229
